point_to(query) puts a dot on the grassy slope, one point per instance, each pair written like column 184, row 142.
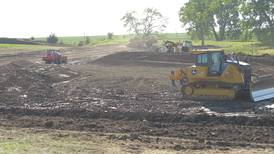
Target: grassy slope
column 120, row 39
column 117, row 39
column 250, row 48
column 25, row 141
column 17, row 48
column 32, row 141
column 94, row 40
column 176, row 37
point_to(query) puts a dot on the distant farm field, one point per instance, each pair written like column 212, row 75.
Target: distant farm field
column 14, row 48
column 94, row 40
column 249, row 48
column 117, row 39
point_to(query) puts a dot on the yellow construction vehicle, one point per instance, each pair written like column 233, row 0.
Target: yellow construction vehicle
column 219, row 77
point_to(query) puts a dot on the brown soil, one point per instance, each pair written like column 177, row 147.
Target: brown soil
column 127, row 92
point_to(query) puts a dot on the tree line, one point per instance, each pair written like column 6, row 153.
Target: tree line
column 229, row 19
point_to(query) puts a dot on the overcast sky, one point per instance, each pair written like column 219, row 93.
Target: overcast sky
column 39, row 18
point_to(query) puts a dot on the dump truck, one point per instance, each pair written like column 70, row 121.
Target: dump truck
column 217, row 76
column 172, row 47
column 186, row 46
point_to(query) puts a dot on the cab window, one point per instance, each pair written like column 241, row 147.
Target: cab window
column 215, row 67
column 202, row 59
column 216, row 58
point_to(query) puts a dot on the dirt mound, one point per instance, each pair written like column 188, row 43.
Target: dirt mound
column 25, row 84
column 142, row 42
column 266, row 60
column 146, row 59
column 19, row 85
column 120, row 99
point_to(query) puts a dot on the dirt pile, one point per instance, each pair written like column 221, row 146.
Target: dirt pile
column 20, row 85
column 25, row 84
column 152, row 59
column 148, row 43
column 127, row 92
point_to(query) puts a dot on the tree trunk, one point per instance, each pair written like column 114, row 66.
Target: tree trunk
column 202, row 38
column 246, row 34
column 215, row 33
column 272, row 36
column 222, row 31
column 222, row 34
column 271, row 25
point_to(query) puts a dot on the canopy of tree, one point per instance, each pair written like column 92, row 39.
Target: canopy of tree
column 52, row 38
column 229, row 19
column 151, row 21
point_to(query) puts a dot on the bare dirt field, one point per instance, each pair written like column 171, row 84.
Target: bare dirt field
column 126, row 96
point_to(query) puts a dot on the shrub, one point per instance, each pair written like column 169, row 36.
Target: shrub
column 110, row 35
column 61, row 42
column 87, row 41
column 264, row 36
column 81, row 43
column 53, row 39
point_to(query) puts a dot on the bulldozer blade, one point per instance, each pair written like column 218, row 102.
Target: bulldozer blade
column 262, row 89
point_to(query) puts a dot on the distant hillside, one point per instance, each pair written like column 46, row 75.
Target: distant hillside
column 20, row 41
column 117, row 39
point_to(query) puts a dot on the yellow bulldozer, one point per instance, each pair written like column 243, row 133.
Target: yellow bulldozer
column 216, row 76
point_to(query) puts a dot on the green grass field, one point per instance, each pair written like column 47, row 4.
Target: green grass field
column 120, row 39
column 94, row 40
column 27, row 141
column 33, row 141
column 249, row 48
column 24, row 47
column 176, row 37
column 117, row 39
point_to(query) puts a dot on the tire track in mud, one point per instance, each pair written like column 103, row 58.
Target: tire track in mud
column 202, row 118
column 151, row 112
column 90, row 54
column 204, row 130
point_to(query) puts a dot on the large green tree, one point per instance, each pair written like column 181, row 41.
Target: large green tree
column 131, row 22
column 151, row 21
column 52, row 38
column 259, row 16
column 195, row 15
column 226, row 14
column 218, row 17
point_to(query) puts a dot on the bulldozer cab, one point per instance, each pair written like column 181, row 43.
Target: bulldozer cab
column 213, row 59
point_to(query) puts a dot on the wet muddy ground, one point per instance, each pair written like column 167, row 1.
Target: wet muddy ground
column 110, row 90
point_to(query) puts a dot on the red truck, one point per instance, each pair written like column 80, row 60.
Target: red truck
column 54, row 57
